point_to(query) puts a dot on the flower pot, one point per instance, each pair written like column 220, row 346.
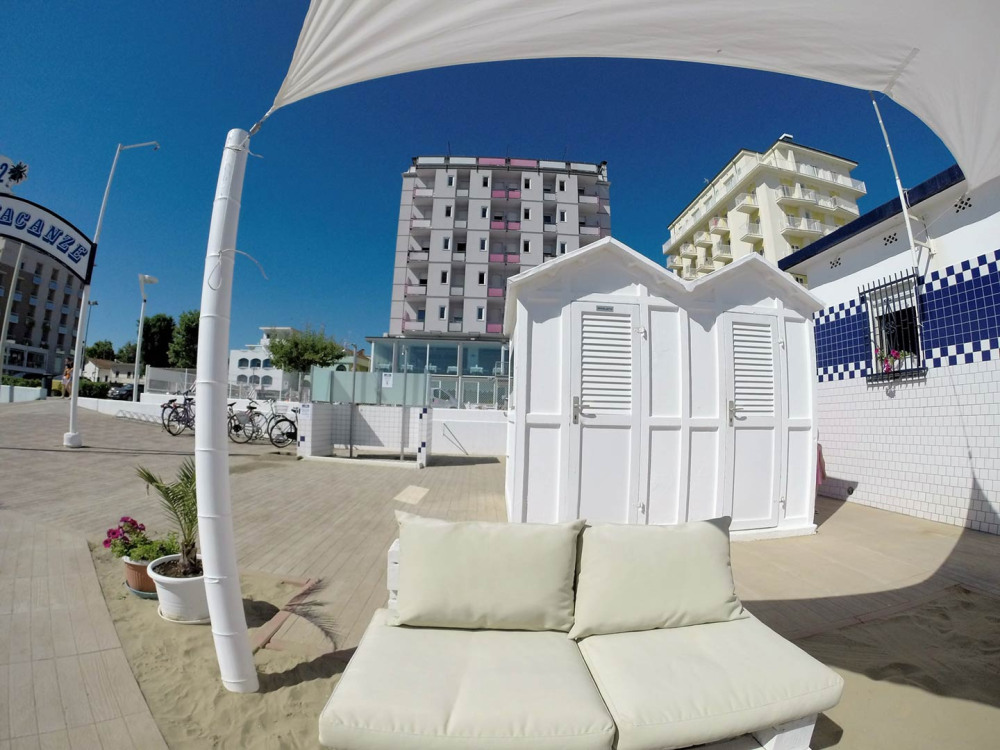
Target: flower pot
column 136, row 577
column 181, row 599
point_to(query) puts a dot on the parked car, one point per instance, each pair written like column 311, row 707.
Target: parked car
column 122, row 392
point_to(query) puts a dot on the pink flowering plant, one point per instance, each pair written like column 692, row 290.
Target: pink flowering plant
column 890, row 360
column 128, row 539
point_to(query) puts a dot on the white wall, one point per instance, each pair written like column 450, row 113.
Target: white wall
column 469, row 432
column 17, row 393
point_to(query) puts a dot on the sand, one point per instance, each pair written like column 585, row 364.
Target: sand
column 176, row 668
column 928, row 677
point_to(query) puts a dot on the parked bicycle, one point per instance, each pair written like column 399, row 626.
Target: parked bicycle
column 285, row 430
column 246, row 425
column 181, row 417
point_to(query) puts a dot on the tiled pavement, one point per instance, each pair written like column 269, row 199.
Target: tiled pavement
column 335, row 521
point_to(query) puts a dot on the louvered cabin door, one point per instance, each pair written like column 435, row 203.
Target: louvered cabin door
column 604, row 412
column 752, row 420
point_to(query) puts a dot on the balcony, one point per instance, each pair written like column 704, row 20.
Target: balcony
column 494, row 328
column 420, row 223
column 514, row 225
column 590, row 231
column 548, row 195
column 498, row 224
column 424, row 192
column 68, row 289
column 65, row 310
column 418, row 256
column 746, row 203
column 413, row 325
column 549, row 227
column 589, row 199
column 457, row 291
column 707, row 265
column 514, row 195
column 62, row 329
column 703, row 238
column 50, row 306
column 752, row 232
column 722, row 253
column 36, row 279
column 794, row 196
column 496, row 258
column 688, row 274
column 32, row 299
column 512, row 259
column 455, row 326
column 53, row 285
column 718, row 225
column 495, row 291
column 800, row 226
column 827, row 176
column 844, row 207
column 689, row 251
column 415, row 290
column 675, row 262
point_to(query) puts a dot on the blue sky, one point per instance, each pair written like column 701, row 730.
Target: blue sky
column 320, row 206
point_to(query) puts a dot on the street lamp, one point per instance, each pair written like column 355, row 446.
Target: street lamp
column 143, row 280
column 73, row 439
column 91, row 303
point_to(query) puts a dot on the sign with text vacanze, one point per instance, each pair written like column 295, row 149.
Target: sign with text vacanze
column 27, row 222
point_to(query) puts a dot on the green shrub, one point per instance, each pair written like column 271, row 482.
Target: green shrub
column 90, row 389
column 22, row 382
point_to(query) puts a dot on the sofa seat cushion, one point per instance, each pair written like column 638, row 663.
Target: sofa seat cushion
column 433, row 688
column 679, row 687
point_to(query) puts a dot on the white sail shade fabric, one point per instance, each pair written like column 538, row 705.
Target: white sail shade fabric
column 937, row 58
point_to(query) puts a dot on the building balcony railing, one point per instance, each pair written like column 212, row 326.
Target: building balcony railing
column 707, row 265
column 512, row 259
column 689, row 251
column 722, row 252
column 498, row 224
column 752, row 232
column 424, row 192
column 745, row 202
column 36, row 279
column 514, row 225
column 413, row 325
column 418, row 256
column 841, row 206
column 675, row 262
column 457, row 291
column 494, row 328
column 458, row 256
column 788, row 195
column 671, row 248
column 415, row 290
column 718, row 225
column 32, row 299
column 420, row 223
column 50, row 306
column 703, row 238
column 799, row 225
column 824, row 174
column 590, row 231
column 65, row 310
column 68, row 289
column 62, row 329
column 53, row 285
column 496, row 257
column 455, row 326
column 549, row 227
column 688, row 274
column 592, row 199
column 548, row 195
column 495, row 291
column 462, row 223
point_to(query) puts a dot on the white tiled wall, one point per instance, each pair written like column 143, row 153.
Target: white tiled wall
column 926, row 448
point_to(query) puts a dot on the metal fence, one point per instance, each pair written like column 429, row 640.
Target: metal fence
column 411, row 389
column 293, row 386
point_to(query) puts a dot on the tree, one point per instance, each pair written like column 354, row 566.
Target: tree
column 126, row 352
column 300, row 350
column 157, row 332
column 183, row 350
column 103, row 349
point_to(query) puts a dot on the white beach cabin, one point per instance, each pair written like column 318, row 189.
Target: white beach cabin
column 642, row 398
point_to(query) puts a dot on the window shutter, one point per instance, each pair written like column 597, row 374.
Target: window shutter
column 606, row 362
column 753, row 367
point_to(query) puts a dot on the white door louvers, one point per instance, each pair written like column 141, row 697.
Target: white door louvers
column 753, row 368
column 606, row 362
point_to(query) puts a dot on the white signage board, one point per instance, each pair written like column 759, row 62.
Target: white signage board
column 387, row 380
column 27, row 222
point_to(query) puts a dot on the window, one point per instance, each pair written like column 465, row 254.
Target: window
column 482, row 243
column 894, row 347
column 480, row 313
column 451, row 180
column 266, row 363
column 446, row 243
column 547, row 219
column 254, row 362
column 486, row 181
column 484, row 212
column 444, row 277
column 562, row 248
column 527, row 246
column 527, row 214
column 266, row 380
column 562, row 216
column 460, row 247
column 420, row 316
column 447, row 212
column 442, row 312
column 244, row 362
column 527, row 183
column 482, row 278
column 422, row 282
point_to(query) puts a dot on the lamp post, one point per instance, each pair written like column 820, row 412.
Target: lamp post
column 73, row 439
column 91, row 303
column 143, row 280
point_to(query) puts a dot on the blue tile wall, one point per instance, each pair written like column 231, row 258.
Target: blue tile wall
column 960, row 315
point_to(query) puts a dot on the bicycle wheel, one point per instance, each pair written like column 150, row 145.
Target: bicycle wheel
column 237, row 432
column 256, row 426
column 176, row 421
column 282, row 432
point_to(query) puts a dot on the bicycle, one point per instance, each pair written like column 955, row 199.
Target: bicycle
column 246, row 425
column 181, row 417
column 285, row 430
column 165, row 409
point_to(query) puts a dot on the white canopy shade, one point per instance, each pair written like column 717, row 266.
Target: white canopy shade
column 937, row 58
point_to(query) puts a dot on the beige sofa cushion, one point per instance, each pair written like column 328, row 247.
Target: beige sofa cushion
column 486, row 575
column 686, row 686
column 644, row 577
column 429, row 688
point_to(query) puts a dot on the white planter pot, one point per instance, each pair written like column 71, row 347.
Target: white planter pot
column 181, row 599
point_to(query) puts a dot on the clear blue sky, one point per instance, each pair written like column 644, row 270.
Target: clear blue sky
column 320, row 207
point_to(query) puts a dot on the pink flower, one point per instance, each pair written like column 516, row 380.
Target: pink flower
column 107, row 543
column 894, row 354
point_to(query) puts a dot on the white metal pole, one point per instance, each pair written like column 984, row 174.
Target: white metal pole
column 351, row 406
column 899, row 187
column 402, row 405
column 218, row 545
column 138, row 343
column 10, row 304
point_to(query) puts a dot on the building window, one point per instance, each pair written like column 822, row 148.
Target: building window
column 447, row 212
column 480, row 313
column 482, row 278
column 562, row 248
column 482, row 243
column 527, row 183
column 893, row 308
column 562, row 216
column 244, row 362
column 562, row 185
column 444, row 277
column 266, row 363
column 420, row 316
column 484, row 212
column 446, row 243
column 442, row 312
column 451, row 180
column 527, row 214
column 527, row 246
column 254, row 363
column 486, row 181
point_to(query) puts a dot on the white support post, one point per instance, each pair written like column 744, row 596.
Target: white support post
column 215, row 522
column 907, row 221
column 7, row 307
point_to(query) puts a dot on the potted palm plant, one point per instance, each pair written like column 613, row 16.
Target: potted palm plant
column 180, row 585
column 128, row 540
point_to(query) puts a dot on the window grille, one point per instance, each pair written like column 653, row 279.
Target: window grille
column 894, row 319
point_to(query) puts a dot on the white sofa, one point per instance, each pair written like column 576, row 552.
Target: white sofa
column 538, row 636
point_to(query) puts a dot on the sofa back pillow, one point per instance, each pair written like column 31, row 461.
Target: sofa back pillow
column 646, row 577
column 500, row 576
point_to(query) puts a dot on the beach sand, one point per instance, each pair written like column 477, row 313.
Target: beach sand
column 176, row 668
column 928, row 677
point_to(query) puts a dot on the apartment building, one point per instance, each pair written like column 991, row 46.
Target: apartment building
column 773, row 203
column 467, row 224
column 41, row 334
